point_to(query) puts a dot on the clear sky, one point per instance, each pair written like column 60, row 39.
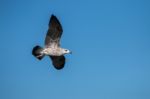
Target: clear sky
column 110, row 41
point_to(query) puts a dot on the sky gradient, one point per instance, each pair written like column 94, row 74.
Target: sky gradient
column 110, row 41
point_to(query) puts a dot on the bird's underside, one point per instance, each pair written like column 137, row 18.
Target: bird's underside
column 52, row 40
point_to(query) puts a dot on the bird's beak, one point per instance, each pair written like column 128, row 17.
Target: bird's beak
column 70, row 52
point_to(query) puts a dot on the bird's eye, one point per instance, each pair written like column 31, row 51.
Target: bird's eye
column 66, row 50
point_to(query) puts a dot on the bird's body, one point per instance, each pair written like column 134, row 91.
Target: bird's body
column 53, row 51
column 52, row 45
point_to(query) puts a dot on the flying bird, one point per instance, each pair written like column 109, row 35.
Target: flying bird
column 52, row 45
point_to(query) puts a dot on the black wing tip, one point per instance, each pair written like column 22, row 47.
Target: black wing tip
column 59, row 67
column 58, row 62
column 54, row 18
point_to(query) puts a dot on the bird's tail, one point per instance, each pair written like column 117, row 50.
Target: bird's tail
column 37, row 52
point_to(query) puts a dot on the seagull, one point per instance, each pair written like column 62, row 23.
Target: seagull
column 52, row 45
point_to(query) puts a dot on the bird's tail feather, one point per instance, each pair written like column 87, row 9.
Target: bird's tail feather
column 37, row 52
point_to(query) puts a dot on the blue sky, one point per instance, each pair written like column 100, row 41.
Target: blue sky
column 110, row 41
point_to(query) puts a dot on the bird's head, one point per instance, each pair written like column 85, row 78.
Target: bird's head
column 66, row 51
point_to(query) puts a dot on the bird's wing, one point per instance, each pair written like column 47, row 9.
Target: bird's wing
column 54, row 32
column 58, row 61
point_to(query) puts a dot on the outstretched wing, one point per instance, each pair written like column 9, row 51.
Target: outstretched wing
column 58, row 61
column 54, row 32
